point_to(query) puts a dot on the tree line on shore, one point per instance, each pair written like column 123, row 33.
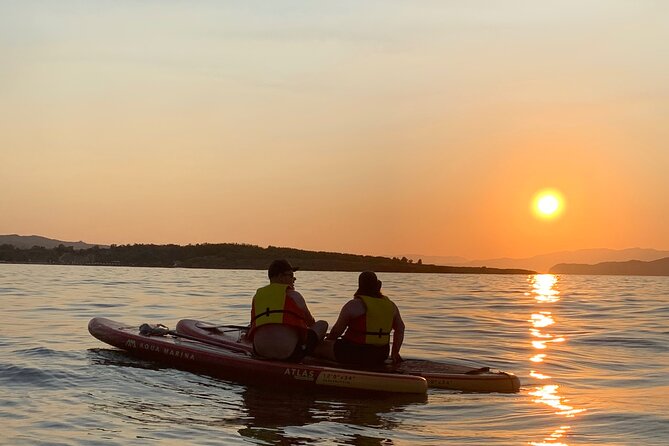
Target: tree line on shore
column 226, row 256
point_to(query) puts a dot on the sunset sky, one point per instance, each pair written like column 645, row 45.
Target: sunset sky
column 384, row 127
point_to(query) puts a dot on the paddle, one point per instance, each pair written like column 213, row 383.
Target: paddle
column 206, row 326
column 162, row 330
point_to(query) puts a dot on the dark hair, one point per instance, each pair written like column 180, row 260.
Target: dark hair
column 279, row 266
column 369, row 284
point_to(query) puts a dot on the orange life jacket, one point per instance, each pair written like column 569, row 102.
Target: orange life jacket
column 374, row 326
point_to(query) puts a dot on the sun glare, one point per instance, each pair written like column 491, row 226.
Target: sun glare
column 548, row 203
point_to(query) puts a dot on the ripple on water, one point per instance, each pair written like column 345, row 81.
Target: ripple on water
column 59, row 383
column 14, row 376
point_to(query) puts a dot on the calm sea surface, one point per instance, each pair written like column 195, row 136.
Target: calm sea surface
column 591, row 351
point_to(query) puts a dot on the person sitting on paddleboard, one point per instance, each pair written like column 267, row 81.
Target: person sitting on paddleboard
column 281, row 325
column 365, row 322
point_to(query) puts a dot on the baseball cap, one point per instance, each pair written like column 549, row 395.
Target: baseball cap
column 280, row 266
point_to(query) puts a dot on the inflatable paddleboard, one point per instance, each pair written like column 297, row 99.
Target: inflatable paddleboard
column 184, row 351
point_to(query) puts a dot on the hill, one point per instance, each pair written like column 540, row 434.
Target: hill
column 28, row 241
column 658, row 267
column 544, row 262
column 227, row 256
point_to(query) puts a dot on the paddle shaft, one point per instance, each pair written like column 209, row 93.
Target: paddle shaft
column 204, row 341
column 233, row 327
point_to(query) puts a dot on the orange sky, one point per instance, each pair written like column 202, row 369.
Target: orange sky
column 377, row 128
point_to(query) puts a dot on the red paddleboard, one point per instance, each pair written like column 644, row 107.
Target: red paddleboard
column 237, row 363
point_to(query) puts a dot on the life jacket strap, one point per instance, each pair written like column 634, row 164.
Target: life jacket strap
column 267, row 312
column 379, row 333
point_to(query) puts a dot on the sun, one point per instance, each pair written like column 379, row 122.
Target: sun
column 548, row 203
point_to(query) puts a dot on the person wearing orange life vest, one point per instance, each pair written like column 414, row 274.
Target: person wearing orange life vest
column 361, row 334
column 281, row 325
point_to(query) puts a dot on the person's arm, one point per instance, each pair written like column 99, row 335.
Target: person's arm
column 398, row 336
column 300, row 302
column 348, row 312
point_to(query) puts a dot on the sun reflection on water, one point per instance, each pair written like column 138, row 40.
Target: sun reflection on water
column 552, row 439
column 538, row 358
column 543, row 288
column 542, row 319
column 544, row 293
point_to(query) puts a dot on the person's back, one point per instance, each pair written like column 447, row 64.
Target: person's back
column 373, row 322
column 365, row 322
column 281, row 324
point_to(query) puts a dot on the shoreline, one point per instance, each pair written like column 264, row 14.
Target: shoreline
column 455, row 270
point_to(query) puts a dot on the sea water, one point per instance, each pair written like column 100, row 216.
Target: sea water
column 591, row 353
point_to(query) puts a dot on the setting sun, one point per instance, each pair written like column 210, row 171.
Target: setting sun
column 548, row 204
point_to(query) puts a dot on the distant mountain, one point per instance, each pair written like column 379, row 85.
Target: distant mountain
column 658, row 267
column 28, row 241
column 544, row 262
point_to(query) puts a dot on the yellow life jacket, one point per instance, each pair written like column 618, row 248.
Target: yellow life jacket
column 271, row 305
column 374, row 326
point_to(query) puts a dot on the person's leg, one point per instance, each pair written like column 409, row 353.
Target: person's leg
column 348, row 352
column 319, row 328
column 315, row 334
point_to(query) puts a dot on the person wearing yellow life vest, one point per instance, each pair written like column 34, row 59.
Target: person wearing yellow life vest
column 281, row 325
column 361, row 334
